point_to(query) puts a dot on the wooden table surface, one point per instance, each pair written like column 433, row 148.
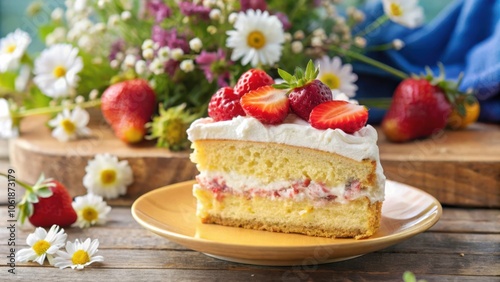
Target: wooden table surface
column 463, row 246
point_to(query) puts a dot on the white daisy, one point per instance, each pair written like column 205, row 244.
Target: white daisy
column 404, row 12
column 70, row 125
column 107, row 177
column 78, row 255
column 258, row 38
column 12, row 48
column 91, row 210
column 337, row 76
column 7, row 128
column 42, row 244
column 337, row 95
column 56, row 70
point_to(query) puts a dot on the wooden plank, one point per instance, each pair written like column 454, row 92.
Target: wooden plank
column 283, row 274
column 152, row 167
column 457, row 167
column 425, row 243
column 433, row 264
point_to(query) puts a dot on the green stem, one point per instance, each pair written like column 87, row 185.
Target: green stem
column 374, row 25
column 24, row 185
column 381, row 47
column 370, row 61
column 50, row 110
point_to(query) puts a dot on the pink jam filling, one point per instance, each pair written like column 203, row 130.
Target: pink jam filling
column 296, row 191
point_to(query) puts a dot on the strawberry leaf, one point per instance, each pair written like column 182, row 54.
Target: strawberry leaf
column 44, row 192
column 286, row 75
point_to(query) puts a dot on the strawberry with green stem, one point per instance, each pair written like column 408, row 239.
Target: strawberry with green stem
column 304, row 91
column 421, row 106
column 46, row 203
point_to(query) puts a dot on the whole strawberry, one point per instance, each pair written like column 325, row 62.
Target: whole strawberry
column 251, row 80
column 419, row 108
column 306, row 92
column 127, row 106
column 46, row 203
column 225, row 105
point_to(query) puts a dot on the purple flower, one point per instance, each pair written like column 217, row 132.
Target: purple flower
column 169, row 38
column 284, row 20
column 159, row 10
column 116, row 47
column 208, row 61
column 191, row 9
column 253, row 4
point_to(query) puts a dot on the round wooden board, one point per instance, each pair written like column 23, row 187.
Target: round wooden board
column 36, row 152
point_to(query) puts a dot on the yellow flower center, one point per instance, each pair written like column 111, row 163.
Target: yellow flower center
column 256, row 39
column 68, row 126
column 89, row 214
column 80, row 257
column 108, row 176
column 331, row 80
column 10, row 48
column 59, row 71
column 40, row 247
column 395, row 10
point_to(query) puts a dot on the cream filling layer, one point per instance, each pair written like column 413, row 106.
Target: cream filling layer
column 298, row 190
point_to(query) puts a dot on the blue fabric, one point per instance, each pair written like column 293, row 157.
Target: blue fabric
column 465, row 37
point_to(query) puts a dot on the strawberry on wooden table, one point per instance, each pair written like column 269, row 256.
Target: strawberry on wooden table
column 46, row 203
column 421, row 107
column 267, row 104
column 339, row 115
column 127, row 106
column 305, row 91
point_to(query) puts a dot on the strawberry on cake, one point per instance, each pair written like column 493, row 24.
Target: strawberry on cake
column 287, row 158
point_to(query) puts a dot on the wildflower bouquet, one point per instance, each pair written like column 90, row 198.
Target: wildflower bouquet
column 185, row 50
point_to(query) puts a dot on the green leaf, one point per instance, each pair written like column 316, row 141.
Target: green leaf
column 8, row 81
column 285, row 75
column 461, row 110
column 44, row 192
column 299, row 73
column 408, row 276
column 45, row 30
column 281, row 86
column 310, row 70
column 31, row 197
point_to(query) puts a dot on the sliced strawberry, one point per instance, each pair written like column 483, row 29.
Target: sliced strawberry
column 251, row 80
column 267, row 104
column 225, row 105
column 339, row 114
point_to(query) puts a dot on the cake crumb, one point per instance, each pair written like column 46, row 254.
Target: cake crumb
column 462, row 254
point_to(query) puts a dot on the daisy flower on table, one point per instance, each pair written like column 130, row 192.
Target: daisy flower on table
column 258, row 38
column 404, row 12
column 78, row 254
column 7, row 129
column 337, row 76
column 42, row 245
column 12, row 49
column 91, row 210
column 70, row 125
column 56, row 70
column 107, row 177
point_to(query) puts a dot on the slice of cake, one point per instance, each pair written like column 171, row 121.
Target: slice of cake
column 289, row 176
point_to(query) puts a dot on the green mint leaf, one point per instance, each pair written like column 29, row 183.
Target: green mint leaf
column 409, row 277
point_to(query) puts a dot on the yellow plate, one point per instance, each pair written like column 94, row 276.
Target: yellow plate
column 170, row 212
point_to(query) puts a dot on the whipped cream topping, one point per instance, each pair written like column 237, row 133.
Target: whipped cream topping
column 293, row 131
